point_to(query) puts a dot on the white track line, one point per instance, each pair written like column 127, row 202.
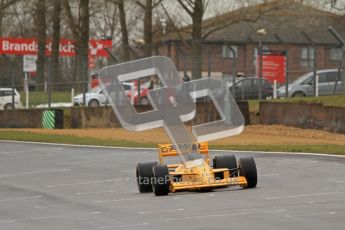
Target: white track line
column 20, row 198
column 118, row 200
column 162, row 211
column 224, row 215
column 96, row 192
column 46, row 218
column 304, row 195
column 123, row 226
column 55, row 205
column 269, row 175
column 142, row 148
column 34, row 172
column 82, row 183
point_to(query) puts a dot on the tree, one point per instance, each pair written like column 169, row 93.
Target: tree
column 4, row 4
column 41, row 37
column 124, row 32
column 55, row 70
column 80, row 27
column 196, row 9
column 148, row 8
column 200, row 30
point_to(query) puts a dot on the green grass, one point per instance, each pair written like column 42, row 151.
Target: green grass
column 37, row 98
column 337, row 100
column 69, row 139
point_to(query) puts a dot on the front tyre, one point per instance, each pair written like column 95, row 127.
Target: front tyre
column 93, row 103
column 248, row 170
column 298, row 94
column 226, row 161
column 161, row 180
column 8, row 106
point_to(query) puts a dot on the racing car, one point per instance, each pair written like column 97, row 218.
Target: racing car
column 161, row 179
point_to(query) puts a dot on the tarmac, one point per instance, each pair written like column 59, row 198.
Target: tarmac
column 55, row 187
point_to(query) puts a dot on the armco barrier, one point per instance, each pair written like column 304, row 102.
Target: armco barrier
column 303, row 115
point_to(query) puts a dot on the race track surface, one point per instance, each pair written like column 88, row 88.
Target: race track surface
column 64, row 187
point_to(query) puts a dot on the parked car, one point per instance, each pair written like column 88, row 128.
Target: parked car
column 96, row 96
column 248, row 88
column 6, row 99
column 329, row 83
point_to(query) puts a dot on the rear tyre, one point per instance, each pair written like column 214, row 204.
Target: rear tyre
column 144, row 176
column 161, row 180
column 93, row 103
column 8, row 106
column 248, row 170
column 227, row 161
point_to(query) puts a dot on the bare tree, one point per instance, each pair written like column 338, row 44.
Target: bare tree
column 124, row 32
column 80, row 27
column 195, row 9
column 4, row 4
column 148, row 9
column 55, row 70
column 200, row 29
column 41, row 35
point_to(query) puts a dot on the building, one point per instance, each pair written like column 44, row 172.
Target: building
column 288, row 24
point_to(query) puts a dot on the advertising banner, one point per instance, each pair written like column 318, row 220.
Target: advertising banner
column 273, row 67
column 29, row 46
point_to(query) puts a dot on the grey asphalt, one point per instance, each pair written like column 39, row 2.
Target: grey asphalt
column 65, row 187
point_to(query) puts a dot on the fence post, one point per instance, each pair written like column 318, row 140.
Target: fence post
column 314, row 64
column 26, row 87
column 275, row 89
column 317, row 86
column 342, row 42
column 234, row 70
column 72, row 95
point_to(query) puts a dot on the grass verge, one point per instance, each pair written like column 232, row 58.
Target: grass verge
column 337, row 101
column 70, row 139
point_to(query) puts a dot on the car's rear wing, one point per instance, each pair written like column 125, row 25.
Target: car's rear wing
column 168, row 150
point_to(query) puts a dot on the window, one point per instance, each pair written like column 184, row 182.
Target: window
column 126, row 87
column 245, row 83
column 335, row 54
column 226, row 52
column 323, row 78
column 307, row 56
column 332, row 76
column 5, row 93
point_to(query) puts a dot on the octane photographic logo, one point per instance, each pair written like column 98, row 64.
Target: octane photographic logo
column 173, row 104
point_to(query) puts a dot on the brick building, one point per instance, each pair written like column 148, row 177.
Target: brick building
column 285, row 24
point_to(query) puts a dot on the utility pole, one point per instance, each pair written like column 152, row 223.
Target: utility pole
column 260, row 32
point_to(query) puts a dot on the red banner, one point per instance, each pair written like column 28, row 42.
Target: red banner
column 22, row 46
column 273, row 67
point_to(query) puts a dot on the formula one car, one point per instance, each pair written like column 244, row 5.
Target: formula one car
column 173, row 104
column 226, row 171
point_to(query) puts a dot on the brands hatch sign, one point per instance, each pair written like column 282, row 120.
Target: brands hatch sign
column 29, row 46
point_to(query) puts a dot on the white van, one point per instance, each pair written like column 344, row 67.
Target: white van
column 6, row 99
